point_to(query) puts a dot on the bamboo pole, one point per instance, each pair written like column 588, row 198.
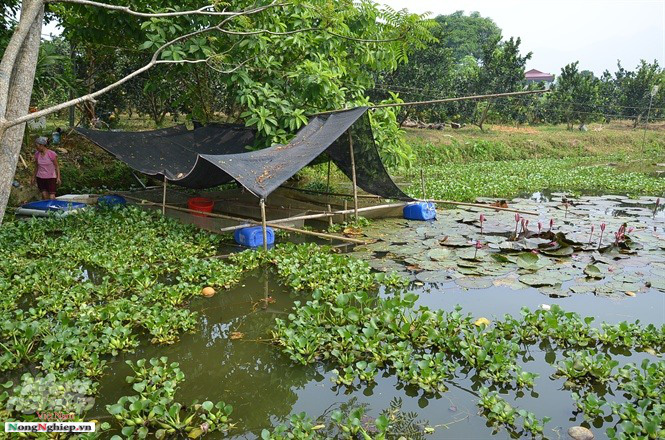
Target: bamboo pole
column 328, row 182
column 330, row 217
column 444, row 202
column 422, row 183
column 353, row 175
column 439, row 101
column 249, row 222
column 316, row 216
column 313, row 191
column 321, row 234
column 481, row 205
column 346, row 208
column 262, row 202
column 164, row 197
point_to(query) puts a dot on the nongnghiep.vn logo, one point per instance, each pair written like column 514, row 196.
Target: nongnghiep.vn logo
column 72, row 427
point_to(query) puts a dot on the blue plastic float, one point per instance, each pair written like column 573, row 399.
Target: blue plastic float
column 253, row 237
column 420, row 211
column 44, row 207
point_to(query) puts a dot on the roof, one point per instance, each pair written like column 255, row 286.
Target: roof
column 537, row 74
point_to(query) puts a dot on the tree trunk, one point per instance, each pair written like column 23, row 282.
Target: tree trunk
column 20, row 91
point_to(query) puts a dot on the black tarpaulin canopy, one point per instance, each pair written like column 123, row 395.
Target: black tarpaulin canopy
column 214, row 154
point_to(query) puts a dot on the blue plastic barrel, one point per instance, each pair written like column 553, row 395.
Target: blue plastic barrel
column 420, row 211
column 111, row 200
column 253, row 237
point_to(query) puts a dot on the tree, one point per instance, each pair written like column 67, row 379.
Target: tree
column 634, row 90
column 575, row 96
column 441, row 68
column 276, row 62
column 501, row 70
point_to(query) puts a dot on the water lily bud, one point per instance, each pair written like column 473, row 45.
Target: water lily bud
column 540, row 226
column 545, row 306
column 482, row 218
column 602, row 227
column 517, row 217
column 551, row 223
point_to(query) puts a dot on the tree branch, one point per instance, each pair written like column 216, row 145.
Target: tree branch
column 204, row 10
column 4, row 124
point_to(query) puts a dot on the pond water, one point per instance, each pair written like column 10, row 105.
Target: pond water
column 264, row 387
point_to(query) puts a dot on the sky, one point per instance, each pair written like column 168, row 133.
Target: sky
column 558, row 32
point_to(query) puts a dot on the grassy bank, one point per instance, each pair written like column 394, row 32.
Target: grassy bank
column 435, row 147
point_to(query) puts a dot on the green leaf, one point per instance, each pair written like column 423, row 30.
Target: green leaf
column 592, row 271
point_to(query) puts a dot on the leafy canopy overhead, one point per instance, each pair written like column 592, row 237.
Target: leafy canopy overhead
column 269, row 69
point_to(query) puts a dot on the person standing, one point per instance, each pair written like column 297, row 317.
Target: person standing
column 47, row 170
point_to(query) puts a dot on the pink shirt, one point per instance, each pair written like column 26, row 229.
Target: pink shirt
column 46, row 164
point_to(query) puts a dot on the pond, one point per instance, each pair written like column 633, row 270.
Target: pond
column 229, row 357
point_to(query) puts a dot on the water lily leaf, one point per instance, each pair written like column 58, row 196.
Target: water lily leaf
column 511, row 246
column 554, row 291
column 454, row 242
column 582, row 288
column 511, row 282
column 658, row 283
column 565, row 251
column 473, row 283
column 529, row 261
column 468, row 270
column 501, row 258
column 433, row 277
column 538, row 280
column 593, row 271
column 439, row 254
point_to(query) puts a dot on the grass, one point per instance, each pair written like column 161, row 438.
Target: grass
column 509, row 143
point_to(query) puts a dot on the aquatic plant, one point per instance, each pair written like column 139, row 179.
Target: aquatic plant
column 585, row 367
column 602, row 230
column 482, row 220
column 500, row 413
column 90, row 296
column 591, row 235
column 153, row 409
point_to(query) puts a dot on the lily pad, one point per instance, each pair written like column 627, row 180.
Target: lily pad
column 454, row 242
column 593, row 271
column 539, row 280
column 474, row 283
column 439, row 254
column 565, row 251
column 529, row 261
column 582, row 288
column 433, row 277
